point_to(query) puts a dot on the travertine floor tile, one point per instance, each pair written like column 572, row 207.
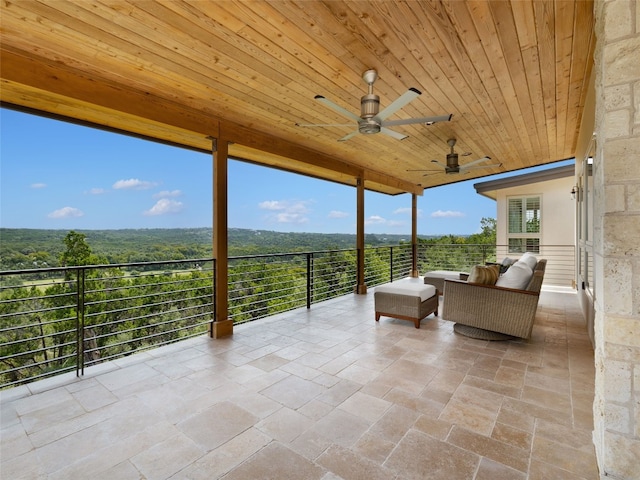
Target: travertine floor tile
column 293, row 391
column 544, row 471
column 469, row 416
column 276, row 461
column 220, row 461
column 348, row 465
column 285, row 425
column 167, row 457
column 395, row 423
column 217, row 425
column 421, row 457
column 374, row 447
column 503, row 453
column 573, row 460
column 490, row 470
column 341, row 428
column 512, row 436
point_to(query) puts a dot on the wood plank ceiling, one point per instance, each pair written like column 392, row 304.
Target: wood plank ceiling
column 514, row 74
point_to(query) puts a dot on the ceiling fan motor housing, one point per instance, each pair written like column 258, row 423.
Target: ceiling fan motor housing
column 452, row 163
column 369, row 107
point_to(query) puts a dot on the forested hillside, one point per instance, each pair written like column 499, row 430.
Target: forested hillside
column 40, row 248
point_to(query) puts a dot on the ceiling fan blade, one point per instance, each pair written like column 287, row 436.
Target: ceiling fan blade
column 398, row 103
column 426, row 120
column 338, row 108
column 324, row 124
column 480, row 166
column 348, row 136
column 475, row 162
column 439, row 163
column 391, row 133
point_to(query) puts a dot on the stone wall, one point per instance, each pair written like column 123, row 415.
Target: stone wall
column 617, row 238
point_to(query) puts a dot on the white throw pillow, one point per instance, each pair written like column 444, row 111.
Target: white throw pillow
column 529, row 259
column 517, row 276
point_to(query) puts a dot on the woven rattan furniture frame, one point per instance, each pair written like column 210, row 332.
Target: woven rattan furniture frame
column 405, row 307
column 496, row 309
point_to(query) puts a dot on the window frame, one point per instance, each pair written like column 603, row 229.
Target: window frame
column 528, row 241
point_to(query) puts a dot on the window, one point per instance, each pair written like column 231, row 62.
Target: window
column 585, row 222
column 524, row 224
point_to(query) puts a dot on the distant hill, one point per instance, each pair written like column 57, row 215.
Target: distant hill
column 28, row 248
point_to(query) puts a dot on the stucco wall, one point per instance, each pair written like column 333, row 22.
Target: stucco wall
column 558, row 210
column 557, row 226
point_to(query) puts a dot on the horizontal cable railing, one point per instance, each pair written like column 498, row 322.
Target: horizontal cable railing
column 386, row 264
column 58, row 320
column 456, row 257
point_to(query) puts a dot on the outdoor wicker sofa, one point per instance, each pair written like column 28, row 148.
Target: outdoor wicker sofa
column 492, row 312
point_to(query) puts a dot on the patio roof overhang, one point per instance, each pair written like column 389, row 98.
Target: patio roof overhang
column 514, row 74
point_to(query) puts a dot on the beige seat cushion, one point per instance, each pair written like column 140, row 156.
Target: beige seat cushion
column 414, row 287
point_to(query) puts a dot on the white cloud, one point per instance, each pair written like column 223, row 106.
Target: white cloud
column 272, row 205
column 133, row 184
column 168, row 194
column 288, row 211
column 378, row 220
column 375, row 220
column 290, row 217
column 38, row 185
column 396, row 223
column 406, row 211
column 447, row 214
column 66, row 212
column 97, row 191
column 337, row 214
column 164, row 206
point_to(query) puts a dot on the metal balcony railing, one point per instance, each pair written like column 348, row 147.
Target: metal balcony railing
column 57, row 320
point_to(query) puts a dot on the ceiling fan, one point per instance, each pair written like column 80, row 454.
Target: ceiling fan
column 452, row 165
column 371, row 120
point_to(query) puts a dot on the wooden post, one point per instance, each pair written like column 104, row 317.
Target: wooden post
column 414, row 235
column 223, row 325
column 361, row 287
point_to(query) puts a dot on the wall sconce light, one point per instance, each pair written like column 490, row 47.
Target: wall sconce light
column 574, row 190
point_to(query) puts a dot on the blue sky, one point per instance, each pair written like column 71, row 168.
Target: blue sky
column 56, row 175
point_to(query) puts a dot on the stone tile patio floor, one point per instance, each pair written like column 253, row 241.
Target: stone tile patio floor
column 325, row 393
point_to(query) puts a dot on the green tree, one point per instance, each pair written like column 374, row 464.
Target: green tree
column 78, row 251
column 487, row 235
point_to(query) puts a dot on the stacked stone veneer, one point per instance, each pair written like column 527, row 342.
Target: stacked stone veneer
column 617, row 238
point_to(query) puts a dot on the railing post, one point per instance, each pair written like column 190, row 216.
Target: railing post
column 80, row 276
column 309, row 279
column 391, row 263
column 215, row 303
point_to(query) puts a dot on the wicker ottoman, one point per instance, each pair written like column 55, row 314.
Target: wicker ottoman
column 407, row 299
